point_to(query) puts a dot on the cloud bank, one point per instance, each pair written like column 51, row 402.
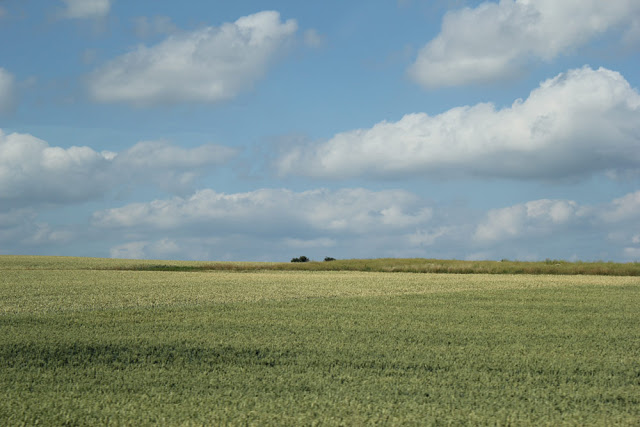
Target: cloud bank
column 210, row 65
column 545, row 225
column 529, row 219
column 270, row 223
column 32, row 172
column 274, row 211
column 577, row 124
column 275, row 224
column 496, row 40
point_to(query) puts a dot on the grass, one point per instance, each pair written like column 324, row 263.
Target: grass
column 387, row 265
column 125, row 346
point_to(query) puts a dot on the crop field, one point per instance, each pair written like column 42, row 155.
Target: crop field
column 86, row 342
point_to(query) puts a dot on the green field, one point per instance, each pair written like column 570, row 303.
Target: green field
column 383, row 265
column 86, row 342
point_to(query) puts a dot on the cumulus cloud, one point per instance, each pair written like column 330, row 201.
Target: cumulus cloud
column 274, row 210
column 208, row 65
column 578, row 123
column 495, row 40
column 531, row 218
column 544, row 224
column 269, row 224
column 7, row 91
column 162, row 155
column 33, row 172
column 276, row 224
column 170, row 167
column 83, row 9
column 623, row 209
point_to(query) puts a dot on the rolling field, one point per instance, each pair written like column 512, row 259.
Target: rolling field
column 85, row 342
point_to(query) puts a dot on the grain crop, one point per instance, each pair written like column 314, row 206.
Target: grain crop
column 124, row 346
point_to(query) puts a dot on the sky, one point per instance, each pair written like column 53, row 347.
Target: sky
column 266, row 130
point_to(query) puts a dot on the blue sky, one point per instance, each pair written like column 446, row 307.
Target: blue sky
column 264, row 130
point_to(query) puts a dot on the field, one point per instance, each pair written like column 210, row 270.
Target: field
column 383, row 265
column 87, row 341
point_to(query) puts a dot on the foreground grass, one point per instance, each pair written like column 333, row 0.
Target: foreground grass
column 386, row 265
column 289, row 348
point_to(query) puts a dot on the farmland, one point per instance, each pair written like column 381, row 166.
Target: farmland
column 87, row 341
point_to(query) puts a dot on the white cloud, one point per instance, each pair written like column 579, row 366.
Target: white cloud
column 547, row 224
column 576, row 124
column 32, row 172
column 270, row 224
column 171, row 167
column 623, row 209
column 162, row 155
column 276, row 224
column 7, row 91
column 82, row 9
column 207, row 65
column 269, row 211
column 528, row 219
column 495, row 40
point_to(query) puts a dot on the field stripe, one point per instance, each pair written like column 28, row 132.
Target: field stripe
column 32, row 291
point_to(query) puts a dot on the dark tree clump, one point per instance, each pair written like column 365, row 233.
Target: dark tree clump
column 301, row 259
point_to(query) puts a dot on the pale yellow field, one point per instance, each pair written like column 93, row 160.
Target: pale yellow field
column 42, row 290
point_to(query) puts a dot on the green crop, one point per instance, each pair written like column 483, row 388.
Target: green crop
column 385, row 265
column 118, row 346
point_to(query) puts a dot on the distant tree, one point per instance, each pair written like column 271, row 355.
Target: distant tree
column 301, row 259
column 328, row 258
